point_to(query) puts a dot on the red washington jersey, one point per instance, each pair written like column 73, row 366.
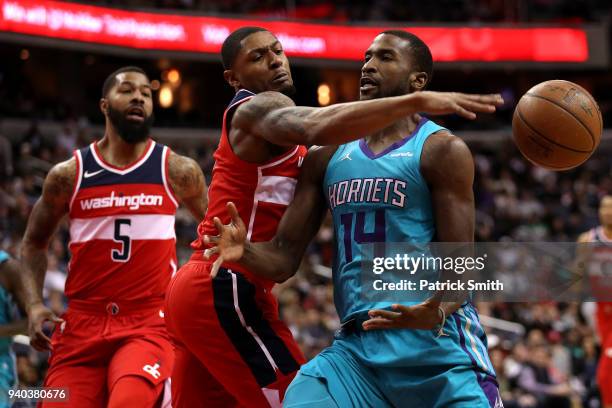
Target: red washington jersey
column 261, row 192
column 122, row 236
column 599, row 269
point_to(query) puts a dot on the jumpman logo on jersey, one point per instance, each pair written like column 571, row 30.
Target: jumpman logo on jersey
column 346, row 156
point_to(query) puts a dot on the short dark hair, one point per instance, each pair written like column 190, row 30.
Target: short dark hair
column 420, row 51
column 231, row 45
column 111, row 80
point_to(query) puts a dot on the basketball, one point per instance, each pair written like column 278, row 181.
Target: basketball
column 557, row 125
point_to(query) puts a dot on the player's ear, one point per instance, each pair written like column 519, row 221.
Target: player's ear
column 418, row 80
column 104, row 105
column 230, row 77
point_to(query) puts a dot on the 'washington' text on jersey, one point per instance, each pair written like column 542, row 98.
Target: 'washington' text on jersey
column 133, row 202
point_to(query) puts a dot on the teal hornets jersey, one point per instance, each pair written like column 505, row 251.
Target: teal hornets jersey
column 375, row 198
column 383, row 198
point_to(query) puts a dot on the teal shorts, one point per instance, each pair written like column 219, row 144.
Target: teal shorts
column 336, row 378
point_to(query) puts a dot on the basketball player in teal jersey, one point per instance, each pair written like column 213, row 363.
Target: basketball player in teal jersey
column 411, row 182
column 11, row 291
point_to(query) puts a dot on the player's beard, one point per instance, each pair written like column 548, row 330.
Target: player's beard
column 289, row 90
column 130, row 132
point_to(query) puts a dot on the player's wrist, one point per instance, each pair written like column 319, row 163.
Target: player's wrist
column 440, row 322
column 34, row 305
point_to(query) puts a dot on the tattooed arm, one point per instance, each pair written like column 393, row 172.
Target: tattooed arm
column 187, row 181
column 42, row 223
column 275, row 118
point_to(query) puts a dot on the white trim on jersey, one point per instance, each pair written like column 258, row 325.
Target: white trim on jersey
column 166, row 401
column 279, row 161
column 275, row 189
column 241, row 100
column 247, row 327
column 126, row 170
column 273, row 397
column 165, row 154
column 257, row 188
column 252, row 219
column 77, row 187
column 142, row 227
column 173, row 266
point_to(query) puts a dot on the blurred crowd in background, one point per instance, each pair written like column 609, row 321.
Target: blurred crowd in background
column 547, row 358
column 550, row 362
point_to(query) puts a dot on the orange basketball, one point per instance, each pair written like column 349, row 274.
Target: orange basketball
column 557, row 125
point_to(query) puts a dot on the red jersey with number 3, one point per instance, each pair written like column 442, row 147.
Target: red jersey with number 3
column 122, row 236
column 260, row 191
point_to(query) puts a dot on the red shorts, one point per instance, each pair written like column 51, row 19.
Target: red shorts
column 231, row 347
column 604, row 372
column 100, row 343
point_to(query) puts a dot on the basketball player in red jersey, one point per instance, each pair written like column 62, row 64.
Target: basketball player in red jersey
column 595, row 257
column 111, row 347
column 231, row 347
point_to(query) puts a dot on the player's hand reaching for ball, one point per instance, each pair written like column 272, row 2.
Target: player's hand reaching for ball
column 424, row 316
column 37, row 316
column 229, row 244
column 466, row 105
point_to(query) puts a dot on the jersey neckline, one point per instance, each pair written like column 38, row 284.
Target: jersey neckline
column 124, row 169
column 371, row 155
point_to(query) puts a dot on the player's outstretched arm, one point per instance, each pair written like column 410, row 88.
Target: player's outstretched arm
column 42, row 223
column 187, row 181
column 448, row 168
column 279, row 258
column 274, row 117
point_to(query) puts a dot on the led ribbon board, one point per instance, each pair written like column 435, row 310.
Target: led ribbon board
column 203, row 34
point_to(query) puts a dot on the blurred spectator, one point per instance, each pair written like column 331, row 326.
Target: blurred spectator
column 6, row 159
column 538, row 378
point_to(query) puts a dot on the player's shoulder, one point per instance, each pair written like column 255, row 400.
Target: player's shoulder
column 261, row 104
column 443, row 155
column 444, row 144
column 63, row 173
column 60, row 182
column 179, row 162
column 184, row 172
column 179, row 166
